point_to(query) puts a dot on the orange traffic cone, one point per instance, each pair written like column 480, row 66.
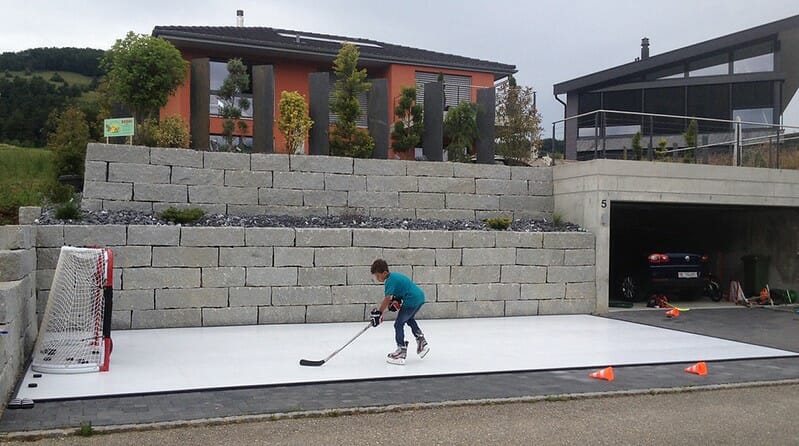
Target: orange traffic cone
column 673, row 313
column 606, row 374
column 700, row 368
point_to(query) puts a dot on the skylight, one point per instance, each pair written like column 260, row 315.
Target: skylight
column 324, row 39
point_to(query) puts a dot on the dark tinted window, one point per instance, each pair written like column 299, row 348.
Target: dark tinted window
column 629, row 100
column 710, row 101
column 588, row 102
column 752, row 95
column 665, row 101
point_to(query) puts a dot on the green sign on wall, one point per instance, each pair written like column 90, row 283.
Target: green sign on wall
column 118, row 127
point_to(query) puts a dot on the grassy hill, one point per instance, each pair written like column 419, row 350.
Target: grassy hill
column 26, row 177
column 69, row 77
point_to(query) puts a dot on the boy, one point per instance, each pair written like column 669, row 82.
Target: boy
column 403, row 295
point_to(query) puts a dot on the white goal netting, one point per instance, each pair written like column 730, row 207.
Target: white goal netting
column 75, row 334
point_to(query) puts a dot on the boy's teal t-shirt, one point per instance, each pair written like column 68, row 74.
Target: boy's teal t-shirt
column 398, row 284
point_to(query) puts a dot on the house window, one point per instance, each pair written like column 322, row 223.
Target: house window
column 712, row 66
column 457, row 89
column 218, row 74
column 586, row 103
column 752, row 116
column 621, row 123
column 710, row 101
column 675, row 72
column 754, row 59
column 753, row 102
column 219, row 143
column 664, row 101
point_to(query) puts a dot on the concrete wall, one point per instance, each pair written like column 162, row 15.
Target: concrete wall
column 152, row 179
column 17, row 303
column 172, row 276
column 585, row 191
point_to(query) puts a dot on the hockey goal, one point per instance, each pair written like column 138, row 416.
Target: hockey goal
column 75, row 334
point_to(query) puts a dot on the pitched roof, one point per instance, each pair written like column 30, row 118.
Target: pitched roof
column 327, row 45
column 689, row 52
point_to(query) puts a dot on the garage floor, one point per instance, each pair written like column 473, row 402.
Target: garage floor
column 170, row 360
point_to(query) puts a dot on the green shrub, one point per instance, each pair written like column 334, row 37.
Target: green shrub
column 182, row 216
column 145, row 134
column 557, row 219
column 85, row 429
column 408, row 128
column 499, row 223
column 638, row 149
column 460, row 126
column 661, row 151
column 294, row 122
column 69, row 141
column 68, row 211
column 59, row 192
column 172, row 131
column 56, row 78
column 358, row 144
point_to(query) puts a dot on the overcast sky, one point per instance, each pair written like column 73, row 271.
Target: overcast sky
column 548, row 41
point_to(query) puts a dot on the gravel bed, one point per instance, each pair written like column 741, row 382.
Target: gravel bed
column 286, row 221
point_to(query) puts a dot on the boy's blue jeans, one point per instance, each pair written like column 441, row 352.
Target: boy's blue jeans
column 405, row 316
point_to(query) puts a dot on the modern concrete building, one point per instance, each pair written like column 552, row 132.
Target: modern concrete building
column 287, row 60
column 752, row 75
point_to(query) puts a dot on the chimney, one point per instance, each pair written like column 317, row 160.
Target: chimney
column 645, row 48
column 239, row 17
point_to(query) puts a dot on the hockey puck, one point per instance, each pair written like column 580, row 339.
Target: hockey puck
column 37, row 375
column 32, row 385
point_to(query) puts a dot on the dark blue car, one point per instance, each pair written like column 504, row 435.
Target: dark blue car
column 682, row 274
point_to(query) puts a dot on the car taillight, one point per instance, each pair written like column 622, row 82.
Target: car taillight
column 658, row 258
column 704, row 259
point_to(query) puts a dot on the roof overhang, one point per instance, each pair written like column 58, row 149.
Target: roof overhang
column 189, row 40
column 699, row 50
column 691, row 81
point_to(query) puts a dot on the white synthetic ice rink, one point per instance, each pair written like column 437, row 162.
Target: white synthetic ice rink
column 168, row 360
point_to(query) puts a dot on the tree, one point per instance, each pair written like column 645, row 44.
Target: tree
column 518, row 129
column 233, row 103
column 69, row 141
column 294, row 122
column 346, row 139
column 143, row 71
column 690, row 140
column 25, row 106
column 661, row 150
column 638, row 150
column 409, row 126
column 83, row 61
column 460, row 127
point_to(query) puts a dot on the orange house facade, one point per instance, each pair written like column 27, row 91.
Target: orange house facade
column 292, row 57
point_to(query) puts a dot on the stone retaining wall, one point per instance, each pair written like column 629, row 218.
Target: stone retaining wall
column 172, row 276
column 152, row 179
column 17, row 303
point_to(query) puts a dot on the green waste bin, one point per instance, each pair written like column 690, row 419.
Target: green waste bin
column 755, row 273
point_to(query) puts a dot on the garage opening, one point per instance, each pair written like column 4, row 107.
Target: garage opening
column 679, row 249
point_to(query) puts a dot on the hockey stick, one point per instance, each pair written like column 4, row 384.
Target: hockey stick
column 309, row 363
column 676, row 308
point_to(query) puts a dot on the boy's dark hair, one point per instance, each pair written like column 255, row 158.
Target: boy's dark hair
column 379, row 266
